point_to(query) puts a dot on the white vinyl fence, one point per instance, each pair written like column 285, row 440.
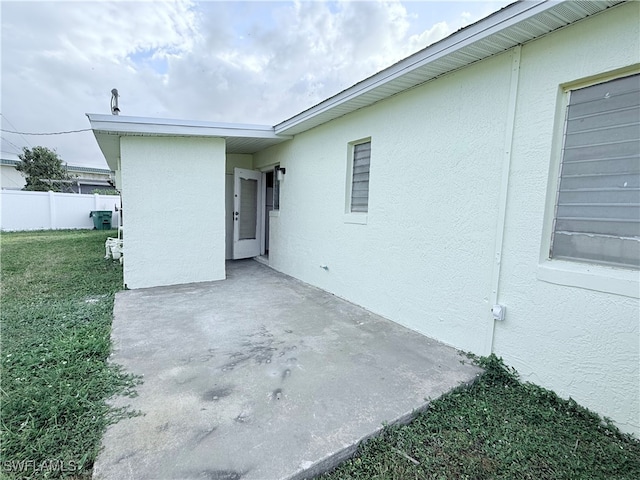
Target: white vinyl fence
column 22, row 210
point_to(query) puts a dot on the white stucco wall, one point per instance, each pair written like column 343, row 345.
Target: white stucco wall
column 240, row 160
column 581, row 342
column 173, row 205
column 10, row 178
column 426, row 254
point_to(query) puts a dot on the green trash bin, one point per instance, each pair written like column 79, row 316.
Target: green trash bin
column 101, row 219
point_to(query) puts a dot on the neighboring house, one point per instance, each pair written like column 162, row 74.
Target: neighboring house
column 10, row 178
column 499, row 166
column 84, row 179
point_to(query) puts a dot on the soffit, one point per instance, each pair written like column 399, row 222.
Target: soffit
column 514, row 25
column 239, row 138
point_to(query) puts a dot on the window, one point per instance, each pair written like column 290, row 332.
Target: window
column 597, row 211
column 276, row 188
column 248, row 207
column 359, row 191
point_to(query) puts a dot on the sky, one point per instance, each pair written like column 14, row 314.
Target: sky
column 258, row 62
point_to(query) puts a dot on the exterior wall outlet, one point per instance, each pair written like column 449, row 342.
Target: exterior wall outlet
column 498, row 312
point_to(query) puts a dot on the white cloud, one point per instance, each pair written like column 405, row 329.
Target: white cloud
column 258, row 62
column 60, row 60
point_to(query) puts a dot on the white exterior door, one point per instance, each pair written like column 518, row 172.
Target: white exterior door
column 247, row 211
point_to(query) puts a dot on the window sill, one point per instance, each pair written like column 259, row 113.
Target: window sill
column 274, row 213
column 357, row 218
column 591, row 277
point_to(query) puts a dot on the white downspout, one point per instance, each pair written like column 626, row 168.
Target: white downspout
column 502, row 200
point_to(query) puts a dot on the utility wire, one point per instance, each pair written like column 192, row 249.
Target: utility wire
column 14, row 127
column 48, row 133
column 12, row 144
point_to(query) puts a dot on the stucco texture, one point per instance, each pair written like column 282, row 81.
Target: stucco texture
column 426, row 254
column 173, row 205
column 425, row 220
column 582, row 343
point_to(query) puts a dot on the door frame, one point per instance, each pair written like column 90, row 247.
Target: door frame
column 263, row 223
column 240, row 251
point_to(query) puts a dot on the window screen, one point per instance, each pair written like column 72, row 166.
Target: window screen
column 598, row 203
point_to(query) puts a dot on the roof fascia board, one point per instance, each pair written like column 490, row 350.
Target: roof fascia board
column 164, row 127
column 71, row 168
column 77, row 168
column 484, row 28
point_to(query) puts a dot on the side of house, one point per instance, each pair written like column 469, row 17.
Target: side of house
column 10, row 178
column 462, row 188
column 496, row 168
column 172, row 239
column 88, row 179
column 85, row 179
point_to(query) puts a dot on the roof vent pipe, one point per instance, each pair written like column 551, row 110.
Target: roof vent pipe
column 114, row 102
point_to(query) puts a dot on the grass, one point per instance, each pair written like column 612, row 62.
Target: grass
column 57, row 303
column 499, row 428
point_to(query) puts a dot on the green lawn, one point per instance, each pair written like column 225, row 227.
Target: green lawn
column 57, row 303
column 498, row 429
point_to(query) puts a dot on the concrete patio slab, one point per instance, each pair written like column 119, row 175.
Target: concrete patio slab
column 261, row 376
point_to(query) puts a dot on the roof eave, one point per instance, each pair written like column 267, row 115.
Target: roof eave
column 123, row 125
column 109, row 128
column 499, row 23
column 513, row 25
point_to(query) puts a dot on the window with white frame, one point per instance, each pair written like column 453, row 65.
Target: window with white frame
column 597, row 212
column 359, row 191
column 276, row 188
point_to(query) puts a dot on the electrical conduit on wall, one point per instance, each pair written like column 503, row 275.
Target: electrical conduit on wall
column 503, row 198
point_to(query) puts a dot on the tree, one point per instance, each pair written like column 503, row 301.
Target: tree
column 43, row 170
